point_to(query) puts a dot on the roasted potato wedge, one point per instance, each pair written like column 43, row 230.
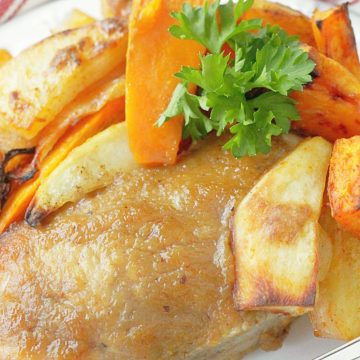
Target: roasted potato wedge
column 344, row 184
column 337, row 310
column 335, row 37
column 89, row 102
column 88, row 167
column 5, row 57
column 293, row 22
column 75, row 19
column 41, row 81
column 329, row 106
column 112, row 8
column 21, row 197
column 325, row 253
column 276, row 234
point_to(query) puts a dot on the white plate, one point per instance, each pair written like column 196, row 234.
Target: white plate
column 37, row 24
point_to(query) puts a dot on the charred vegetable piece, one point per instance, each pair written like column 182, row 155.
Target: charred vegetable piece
column 329, row 106
column 7, row 176
column 344, row 184
column 335, row 37
column 293, row 22
column 275, row 233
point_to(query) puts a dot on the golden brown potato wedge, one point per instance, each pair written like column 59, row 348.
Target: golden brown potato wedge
column 88, row 102
column 88, row 167
column 275, row 233
column 75, row 19
column 293, row 22
column 21, row 197
column 344, row 184
column 41, row 81
column 337, row 310
column 5, row 57
column 335, row 37
column 325, row 253
column 112, row 8
column 329, row 106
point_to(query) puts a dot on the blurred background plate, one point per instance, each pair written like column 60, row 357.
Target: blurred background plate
column 39, row 23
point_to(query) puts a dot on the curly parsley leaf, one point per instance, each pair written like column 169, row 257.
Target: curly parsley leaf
column 201, row 24
column 246, row 92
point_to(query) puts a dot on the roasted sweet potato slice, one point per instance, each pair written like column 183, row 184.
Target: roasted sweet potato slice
column 335, row 37
column 293, row 22
column 5, row 57
column 336, row 314
column 344, row 184
column 276, row 233
column 154, row 56
column 19, row 200
column 330, row 105
column 88, row 167
column 41, row 81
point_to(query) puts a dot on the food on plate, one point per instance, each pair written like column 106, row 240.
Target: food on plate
column 149, row 24
column 37, row 84
column 329, row 106
column 344, row 184
column 142, row 268
column 20, row 198
column 325, row 253
column 88, row 167
column 335, row 37
column 75, row 19
column 89, row 102
column 243, row 90
column 336, row 314
column 5, row 57
column 112, row 8
column 160, row 169
column 276, row 235
column 293, row 22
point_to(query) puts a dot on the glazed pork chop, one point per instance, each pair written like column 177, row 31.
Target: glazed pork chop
column 140, row 270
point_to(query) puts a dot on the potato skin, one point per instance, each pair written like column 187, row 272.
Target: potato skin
column 344, row 184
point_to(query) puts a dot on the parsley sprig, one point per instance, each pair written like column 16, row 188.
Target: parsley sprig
column 246, row 92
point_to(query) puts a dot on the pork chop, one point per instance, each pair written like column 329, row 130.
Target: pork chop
column 140, row 270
